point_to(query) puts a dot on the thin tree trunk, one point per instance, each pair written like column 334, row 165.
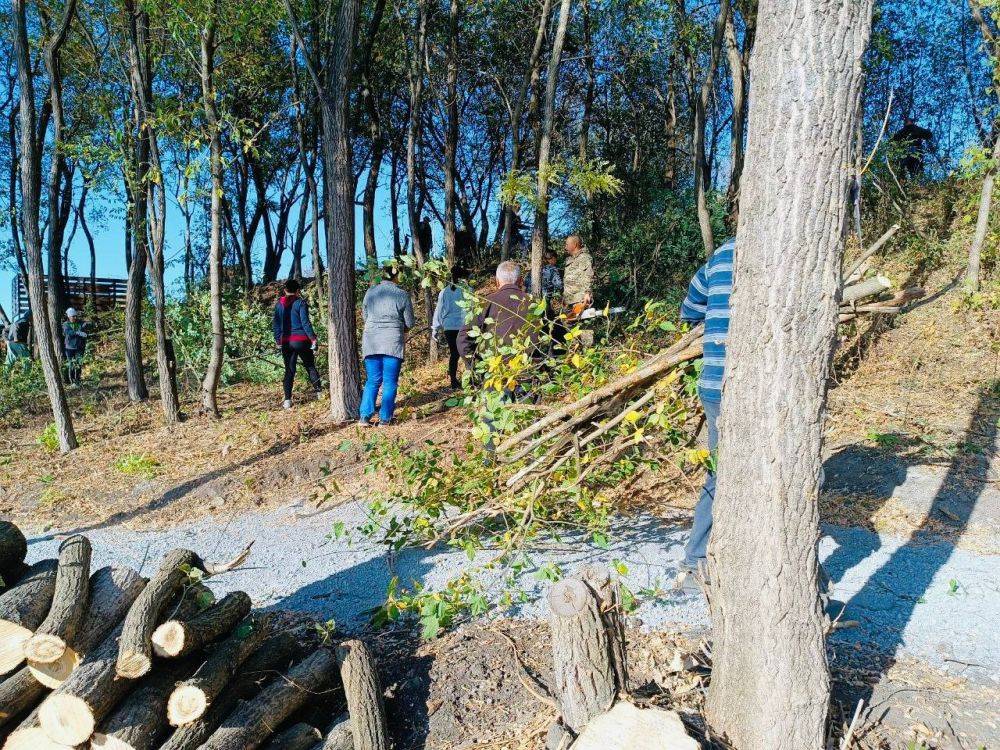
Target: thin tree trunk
column 210, row 384
column 770, row 685
column 81, row 213
column 31, row 157
column 451, row 134
column 702, row 168
column 397, row 245
column 738, row 59
column 540, row 235
column 527, row 85
column 57, row 167
column 589, row 65
column 982, row 222
column 135, row 291
column 368, row 203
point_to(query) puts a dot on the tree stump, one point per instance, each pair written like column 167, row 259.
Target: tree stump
column 112, row 592
column 176, row 638
column 609, row 603
column 273, row 658
column 253, row 722
column 584, row 675
column 69, row 603
column 135, row 655
column 364, row 696
column 13, row 548
column 300, row 736
column 191, row 699
column 22, row 609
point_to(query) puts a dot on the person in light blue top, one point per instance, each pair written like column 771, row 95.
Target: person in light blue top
column 449, row 316
column 388, row 315
column 707, row 302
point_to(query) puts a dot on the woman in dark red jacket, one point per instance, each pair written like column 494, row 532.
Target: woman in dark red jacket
column 294, row 335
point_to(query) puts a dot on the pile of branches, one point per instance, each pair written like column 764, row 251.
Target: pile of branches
column 554, row 439
column 114, row 661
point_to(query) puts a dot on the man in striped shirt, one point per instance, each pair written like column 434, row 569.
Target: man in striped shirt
column 707, row 301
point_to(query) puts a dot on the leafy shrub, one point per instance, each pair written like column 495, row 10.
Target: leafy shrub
column 138, row 465
column 49, row 439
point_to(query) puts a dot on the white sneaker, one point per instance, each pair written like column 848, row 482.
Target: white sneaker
column 286, row 404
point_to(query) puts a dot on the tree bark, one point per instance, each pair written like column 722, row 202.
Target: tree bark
column 22, row 609
column 254, row 722
column 273, row 658
column 297, row 737
column 135, row 655
column 176, row 638
column 69, row 604
column 13, row 548
column 30, row 164
column 339, row 736
column 770, row 685
column 541, row 231
column 739, row 60
column 582, row 670
column 210, row 383
column 190, row 700
column 365, row 706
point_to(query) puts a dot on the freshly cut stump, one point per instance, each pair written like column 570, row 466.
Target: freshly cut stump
column 32, row 738
column 139, row 722
column 584, row 676
column 253, row 722
column 176, row 638
column 364, row 696
column 340, row 736
column 136, row 651
column 189, row 700
column 13, row 548
column 272, row 659
column 69, row 603
column 22, row 609
column 73, row 710
column 628, row 727
column 297, row 737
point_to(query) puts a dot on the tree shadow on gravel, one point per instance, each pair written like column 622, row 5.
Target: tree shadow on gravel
column 899, row 585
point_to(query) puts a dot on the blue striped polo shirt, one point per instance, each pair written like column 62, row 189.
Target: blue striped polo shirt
column 708, row 300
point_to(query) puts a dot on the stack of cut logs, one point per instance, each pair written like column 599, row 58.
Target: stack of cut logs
column 555, row 438
column 110, row 660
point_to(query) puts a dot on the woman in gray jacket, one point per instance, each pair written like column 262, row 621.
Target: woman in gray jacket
column 388, row 314
column 449, row 316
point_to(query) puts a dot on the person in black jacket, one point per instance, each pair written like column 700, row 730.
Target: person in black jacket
column 74, row 344
column 294, row 335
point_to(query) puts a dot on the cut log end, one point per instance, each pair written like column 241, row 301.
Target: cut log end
column 133, row 665
column 187, row 703
column 168, row 638
column 569, row 597
column 44, row 648
column 31, row 738
column 101, row 741
column 12, row 640
column 54, row 673
column 66, row 719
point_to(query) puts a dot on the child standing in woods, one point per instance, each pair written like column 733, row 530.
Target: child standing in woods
column 74, row 343
column 294, row 336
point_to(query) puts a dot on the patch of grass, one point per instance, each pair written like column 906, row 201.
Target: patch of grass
column 49, row 439
column 138, row 465
column 885, row 440
column 51, row 498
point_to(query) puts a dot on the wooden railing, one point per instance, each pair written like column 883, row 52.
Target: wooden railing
column 107, row 292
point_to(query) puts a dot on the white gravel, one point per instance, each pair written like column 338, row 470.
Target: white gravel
column 931, row 601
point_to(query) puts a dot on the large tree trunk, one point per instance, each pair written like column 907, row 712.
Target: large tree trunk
column 451, row 134
column 770, row 686
column 210, row 384
column 364, row 696
column 702, row 167
column 982, row 221
column 541, row 232
column 30, row 162
column 22, row 609
column 338, row 174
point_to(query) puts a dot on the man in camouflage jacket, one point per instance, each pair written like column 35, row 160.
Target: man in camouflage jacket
column 578, row 281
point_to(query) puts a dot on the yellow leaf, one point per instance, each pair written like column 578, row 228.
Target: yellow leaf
column 632, row 417
column 577, row 361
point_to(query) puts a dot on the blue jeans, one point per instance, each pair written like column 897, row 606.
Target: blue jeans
column 383, row 372
column 697, row 546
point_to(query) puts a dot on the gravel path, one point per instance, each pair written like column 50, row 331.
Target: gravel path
column 930, row 601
